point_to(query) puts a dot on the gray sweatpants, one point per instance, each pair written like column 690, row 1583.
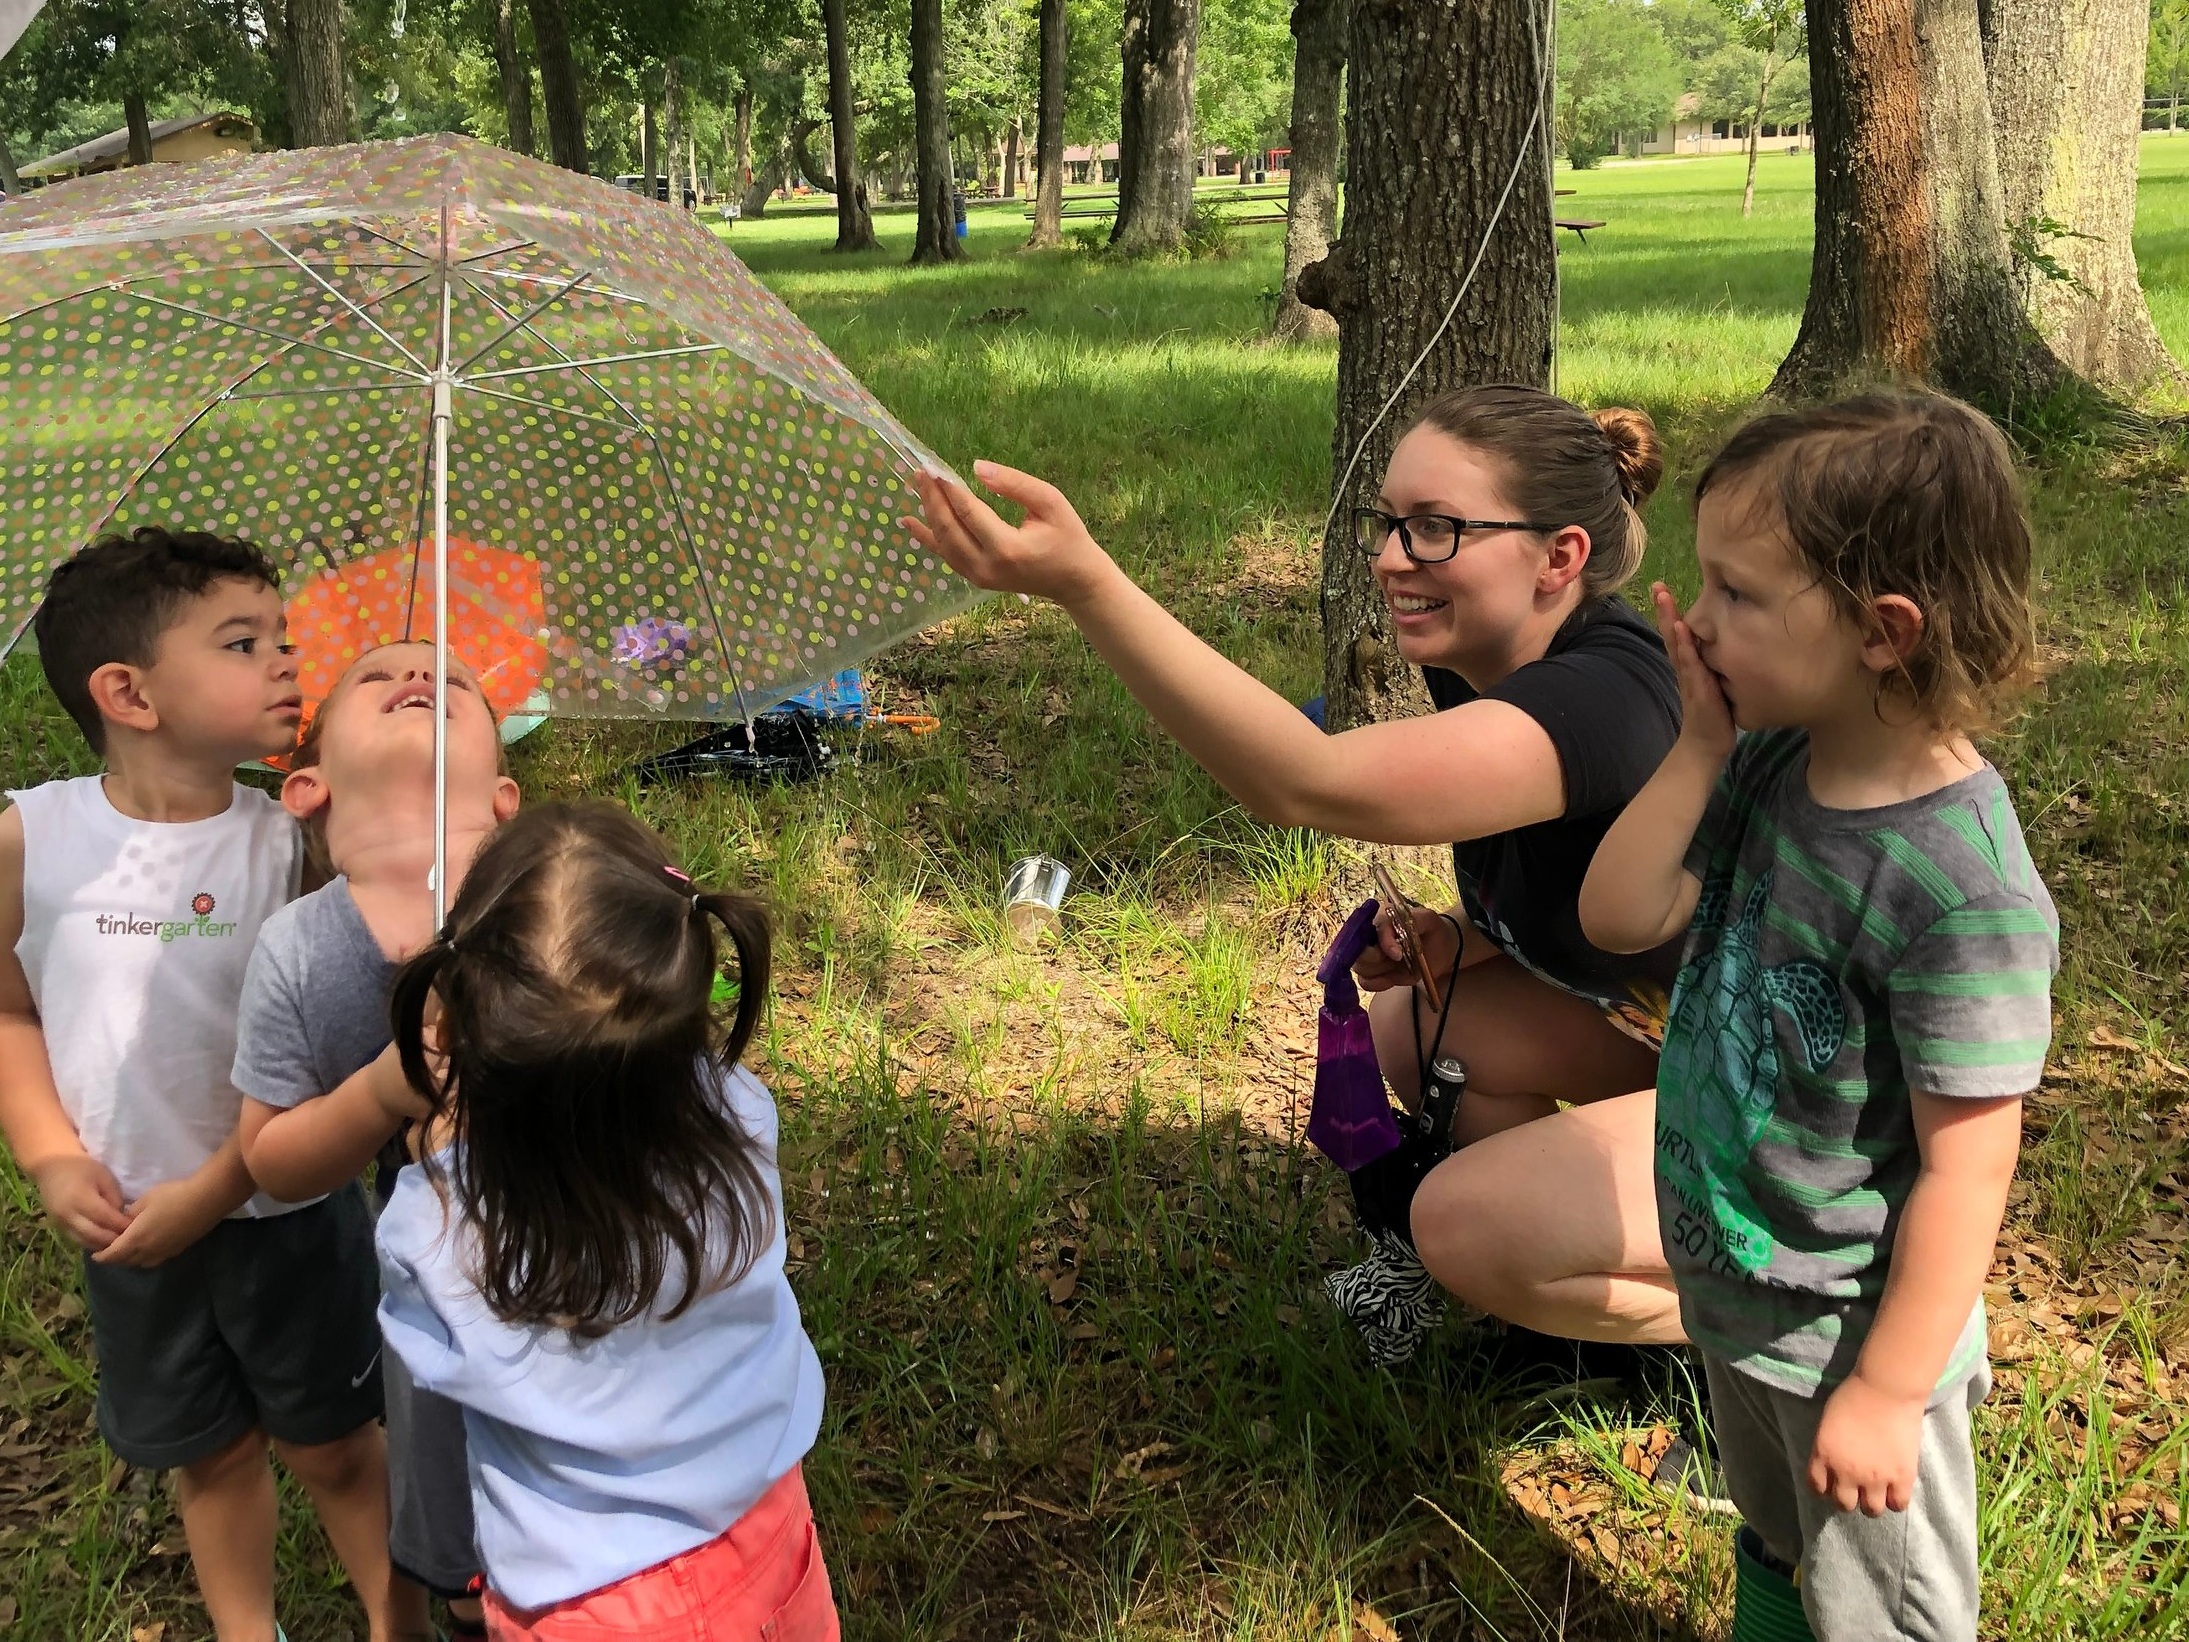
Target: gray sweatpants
column 1907, row 1574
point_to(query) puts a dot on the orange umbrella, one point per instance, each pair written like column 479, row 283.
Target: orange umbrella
column 495, row 617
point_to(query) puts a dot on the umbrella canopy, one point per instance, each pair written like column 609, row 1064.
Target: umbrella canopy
column 261, row 345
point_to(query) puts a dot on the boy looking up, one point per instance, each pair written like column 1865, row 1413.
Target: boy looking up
column 129, row 903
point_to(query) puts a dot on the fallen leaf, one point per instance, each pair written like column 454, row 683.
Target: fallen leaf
column 1001, row 1516
column 1164, row 1357
column 1083, row 1331
column 114, row 1475
column 7, row 1612
column 1373, row 1625
column 1289, row 1316
column 1062, row 1287
column 876, row 1519
column 149, row 1633
column 1131, row 1464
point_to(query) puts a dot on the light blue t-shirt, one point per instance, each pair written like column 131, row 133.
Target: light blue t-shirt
column 593, row 1459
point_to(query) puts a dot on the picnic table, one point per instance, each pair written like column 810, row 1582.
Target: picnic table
column 1577, row 226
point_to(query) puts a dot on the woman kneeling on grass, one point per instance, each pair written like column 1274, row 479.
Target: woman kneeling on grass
column 1505, row 526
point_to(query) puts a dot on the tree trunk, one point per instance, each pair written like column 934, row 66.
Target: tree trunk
column 1010, row 162
column 1155, row 188
column 1311, row 197
column 319, row 91
column 1133, row 46
column 1755, row 126
column 741, row 113
column 516, row 77
column 771, row 175
column 559, row 86
column 139, row 122
column 10, row 182
column 2066, row 81
column 1049, row 129
column 854, row 218
column 937, row 239
column 672, row 109
column 1910, row 276
column 649, row 147
column 1424, row 173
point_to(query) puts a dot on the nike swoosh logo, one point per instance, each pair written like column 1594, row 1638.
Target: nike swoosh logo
column 359, row 1379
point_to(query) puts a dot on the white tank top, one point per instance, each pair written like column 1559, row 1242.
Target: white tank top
column 135, row 938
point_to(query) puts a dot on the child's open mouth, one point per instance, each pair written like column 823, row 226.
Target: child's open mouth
column 412, row 695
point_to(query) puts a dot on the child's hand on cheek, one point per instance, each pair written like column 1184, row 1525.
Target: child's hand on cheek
column 1706, row 717
column 392, row 1092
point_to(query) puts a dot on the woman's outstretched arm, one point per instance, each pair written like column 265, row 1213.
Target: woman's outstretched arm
column 1483, row 768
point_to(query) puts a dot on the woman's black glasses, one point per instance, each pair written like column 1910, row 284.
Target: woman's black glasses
column 1426, row 538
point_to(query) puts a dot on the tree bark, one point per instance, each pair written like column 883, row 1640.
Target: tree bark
column 672, row 109
column 319, row 90
column 1311, row 198
column 1010, row 162
column 770, row 175
column 854, row 217
column 649, row 147
column 1049, row 129
column 516, row 77
column 2066, row 80
column 1424, row 173
column 741, row 114
column 1910, row 277
column 10, row 182
column 937, row 239
column 139, row 122
column 559, row 86
column 1155, row 187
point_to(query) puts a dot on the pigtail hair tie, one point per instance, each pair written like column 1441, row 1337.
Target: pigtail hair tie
column 683, row 881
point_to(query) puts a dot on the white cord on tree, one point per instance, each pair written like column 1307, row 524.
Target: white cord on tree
column 1520, row 159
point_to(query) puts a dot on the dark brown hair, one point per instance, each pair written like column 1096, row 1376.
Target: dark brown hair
column 113, row 600
column 1913, row 494
column 1564, row 466
column 597, row 1156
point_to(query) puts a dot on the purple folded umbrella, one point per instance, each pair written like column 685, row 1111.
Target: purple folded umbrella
column 1350, row 1119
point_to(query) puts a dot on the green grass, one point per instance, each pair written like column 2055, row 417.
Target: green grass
column 1054, row 1231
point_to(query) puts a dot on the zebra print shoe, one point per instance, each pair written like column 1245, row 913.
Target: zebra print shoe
column 1390, row 1298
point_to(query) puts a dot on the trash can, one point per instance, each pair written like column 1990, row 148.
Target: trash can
column 1260, row 176
column 957, row 210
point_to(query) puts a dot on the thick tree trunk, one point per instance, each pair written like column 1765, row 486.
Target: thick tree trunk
column 770, row 175
column 1910, row 277
column 1010, row 163
column 741, row 116
column 854, row 218
column 559, row 86
column 139, row 122
column 1424, row 174
column 649, row 148
column 10, row 182
column 1155, row 187
column 2066, row 81
column 516, row 76
column 937, row 239
column 672, row 137
column 1311, row 199
column 319, row 90
column 1049, row 128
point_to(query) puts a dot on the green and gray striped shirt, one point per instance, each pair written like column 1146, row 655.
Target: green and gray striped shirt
column 1838, row 959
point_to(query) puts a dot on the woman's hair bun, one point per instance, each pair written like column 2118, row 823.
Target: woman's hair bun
column 1637, row 450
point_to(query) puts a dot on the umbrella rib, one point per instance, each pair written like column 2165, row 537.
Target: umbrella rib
column 496, row 251
column 520, row 276
column 314, row 276
column 522, row 320
column 604, row 359
column 556, row 410
column 265, row 330
column 347, row 387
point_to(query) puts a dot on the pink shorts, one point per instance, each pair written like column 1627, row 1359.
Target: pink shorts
column 761, row 1580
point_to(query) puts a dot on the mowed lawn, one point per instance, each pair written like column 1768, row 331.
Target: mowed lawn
column 1052, row 1224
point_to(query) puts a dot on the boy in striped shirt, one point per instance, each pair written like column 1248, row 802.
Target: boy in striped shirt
column 1865, row 996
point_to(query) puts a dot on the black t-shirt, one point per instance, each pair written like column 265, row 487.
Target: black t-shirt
column 1605, row 694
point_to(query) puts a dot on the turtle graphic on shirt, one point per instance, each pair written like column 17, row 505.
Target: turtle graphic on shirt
column 1725, row 1055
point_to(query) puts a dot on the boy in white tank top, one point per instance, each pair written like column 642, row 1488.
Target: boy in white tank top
column 129, row 904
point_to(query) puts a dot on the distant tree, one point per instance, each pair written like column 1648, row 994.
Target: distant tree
column 1158, row 44
column 2166, row 65
column 854, row 219
column 1242, row 76
column 1695, row 30
column 1774, row 31
column 1056, row 48
column 1319, row 30
column 514, row 73
column 559, row 88
column 936, row 238
column 1616, row 75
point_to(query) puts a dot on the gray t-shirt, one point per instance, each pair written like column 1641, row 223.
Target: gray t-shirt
column 1838, row 960
column 315, row 999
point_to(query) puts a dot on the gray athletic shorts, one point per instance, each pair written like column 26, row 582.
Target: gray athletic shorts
column 270, row 1323
column 430, row 1536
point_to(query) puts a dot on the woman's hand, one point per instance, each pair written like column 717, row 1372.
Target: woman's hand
column 1706, row 717
column 1383, row 966
column 1049, row 554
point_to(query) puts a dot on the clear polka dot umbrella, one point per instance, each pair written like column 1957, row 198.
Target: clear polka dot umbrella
column 344, row 353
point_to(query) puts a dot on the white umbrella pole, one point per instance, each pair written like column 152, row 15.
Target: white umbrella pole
column 441, row 418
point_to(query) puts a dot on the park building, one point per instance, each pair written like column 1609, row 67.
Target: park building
column 1688, row 133
column 191, row 137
